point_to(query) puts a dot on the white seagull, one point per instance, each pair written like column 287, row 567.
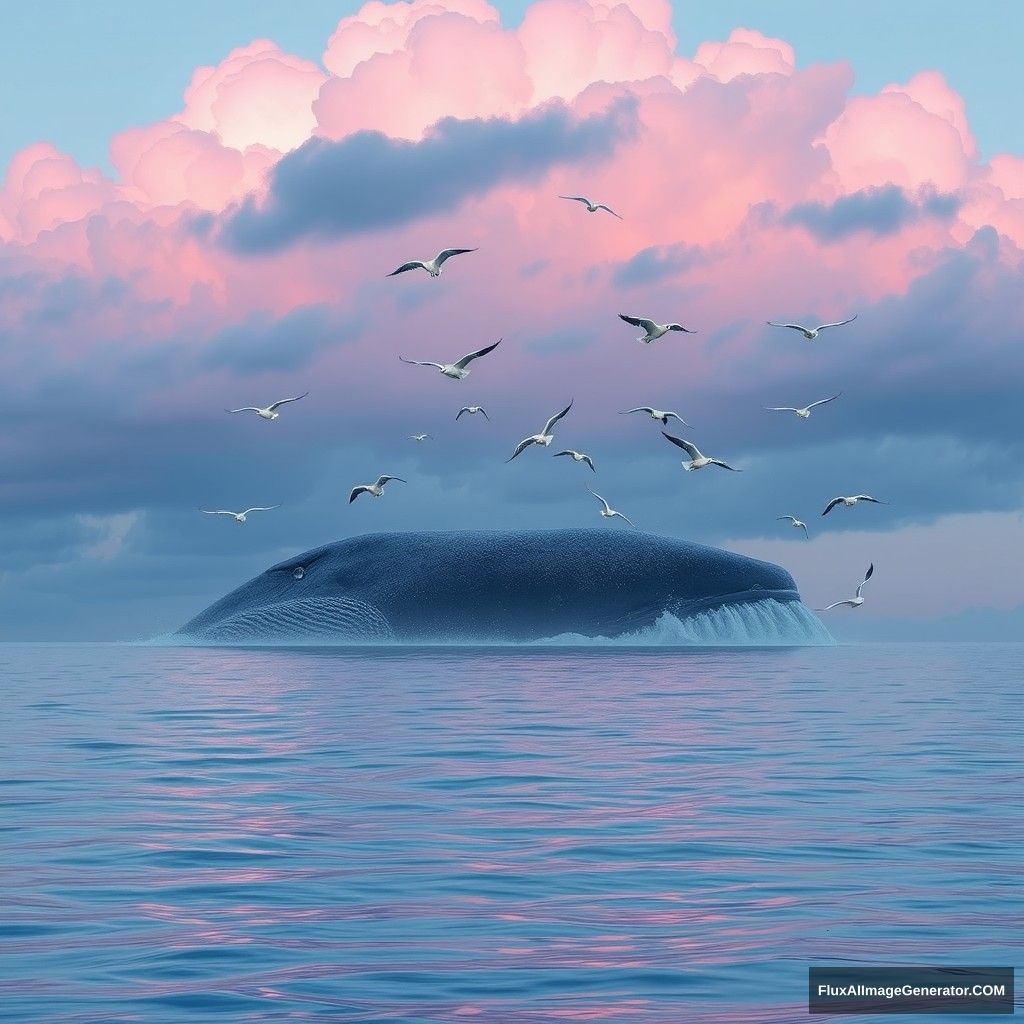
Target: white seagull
column 810, row 333
column 239, row 517
column 796, row 524
column 457, row 370
column 592, row 207
column 376, row 489
column 432, row 267
column 657, row 414
column 850, row 502
column 473, row 410
column 805, row 412
column 697, row 461
column 418, row 437
column 545, row 437
column 609, row 513
column 270, row 412
column 653, row 331
column 577, row 457
column 853, row 602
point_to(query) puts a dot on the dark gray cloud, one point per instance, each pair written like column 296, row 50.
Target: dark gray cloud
column 328, row 190
column 655, row 264
column 879, row 211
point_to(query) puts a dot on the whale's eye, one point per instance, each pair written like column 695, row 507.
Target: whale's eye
column 298, row 572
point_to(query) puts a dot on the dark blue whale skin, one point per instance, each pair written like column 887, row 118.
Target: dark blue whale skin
column 508, row 586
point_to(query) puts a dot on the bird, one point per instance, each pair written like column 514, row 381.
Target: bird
column 810, row 333
column 457, row 370
column 592, row 207
column 805, row 412
column 653, row 331
column 609, row 513
column 239, row 517
column 697, row 461
column 657, row 414
column 473, row 410
column 419, row 437
column 545, row 437
column 857, row 600
column 577, row 457
column 270, row 412
column 850, row 502
column 796, row 524
column 432, row 267
column 376, row 489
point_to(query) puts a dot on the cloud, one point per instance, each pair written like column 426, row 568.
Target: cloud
column 878, row 211
column 330, row 190
column 655, row 263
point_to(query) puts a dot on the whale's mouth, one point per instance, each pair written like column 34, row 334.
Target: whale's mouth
column 301, row 621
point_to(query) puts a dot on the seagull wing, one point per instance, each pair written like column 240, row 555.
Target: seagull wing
column 382, row 480
column 867, row 497
column 219, row 512
column 824, row 401
column 836, row 604
column 867, row 576
column 639, row 408
column 795, row 327
column 831, row 505
column 792, row 519
column 260, row 508
column 638, row 321
column 356, row 491
column 690, row 449
column 421, row 362
column 555, row 456
column 446, row 254
column 675, row 415
column 483, row 412
column 554, row 419
column 465, row 408
column 577, row 199
column 466, row 360
column 607, row 209
column 839, row 323
column 780, row 408
column 285, row 401
column 680, row 327
column 725, row 465
column 413, row 265
column 245, row 408
column 626, row 518
column 590, row 462
column 607, row 507
column 521, row 447
column 803, row 526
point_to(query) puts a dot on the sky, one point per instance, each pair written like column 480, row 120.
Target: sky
column 201, row 204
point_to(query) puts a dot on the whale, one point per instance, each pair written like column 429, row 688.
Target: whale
column 515, row 586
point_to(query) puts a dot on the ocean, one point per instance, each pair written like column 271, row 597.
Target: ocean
column 498, row 835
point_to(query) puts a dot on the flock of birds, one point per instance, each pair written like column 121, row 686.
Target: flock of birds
column 459, row 369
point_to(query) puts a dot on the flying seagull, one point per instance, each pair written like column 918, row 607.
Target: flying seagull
column 270, row 412
column 853, row 602
column 657, row 414
column 697, row 461
column 810, row 333
column 850, row 502
column 418, row 437
column 577, row 457
column 432, row 267
column 653, row 331
column 592, row 207
column 239, row 517
column 796, row 524
column 473, row 410
column 609, row 513
column 457, row 370
column 376, row 489
column 545, row 437
column 805, row 412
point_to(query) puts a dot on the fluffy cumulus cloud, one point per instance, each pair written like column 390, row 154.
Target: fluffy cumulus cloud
column 238, row 253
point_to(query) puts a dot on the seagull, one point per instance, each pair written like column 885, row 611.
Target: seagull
column 653, row 331
column 810, row 333
column 239, row 517
column 850, row 502
column 376, row 489
column 657, row 414
column 457, row 370
column 592, row 207
column 853, row 602
column 577, row 457
column 609, row 513
column 796, row 524
column 418, row 437
column 698, row 461
column 545, row 437
column 805, row 412
column 270, row 412
column 473, row 410
column 432, row 267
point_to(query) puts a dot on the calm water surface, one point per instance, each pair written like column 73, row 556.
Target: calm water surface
column 501, row 836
